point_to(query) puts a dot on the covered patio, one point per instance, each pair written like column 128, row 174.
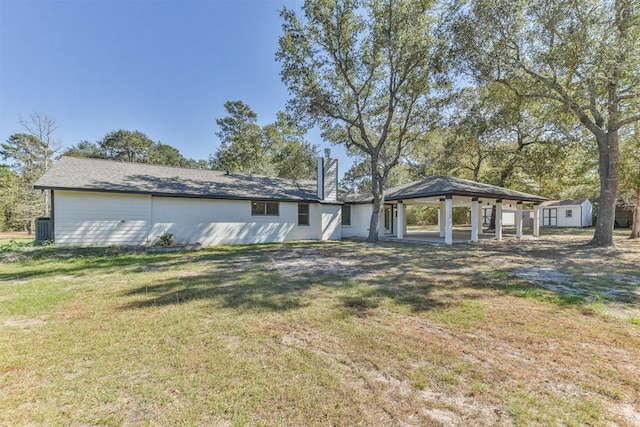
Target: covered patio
column 446, row 193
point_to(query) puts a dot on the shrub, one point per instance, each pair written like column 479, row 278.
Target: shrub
column 165, row 239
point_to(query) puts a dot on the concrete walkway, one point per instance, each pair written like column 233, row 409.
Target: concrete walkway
column 433, row 237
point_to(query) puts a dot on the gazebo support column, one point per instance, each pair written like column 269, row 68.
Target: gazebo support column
column 536, row 220
column 498, row 219
column 475, row 219
column 448, row 232
column 480, row 218
column 442, row 218
column 519, row 220
column 400, row 225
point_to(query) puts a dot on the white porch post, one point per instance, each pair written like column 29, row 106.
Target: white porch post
column 448, row 232
column 442, row 217
column 536, row 220
column 400, row 226
column 480, row 217
column 498, row 219
column 475, row 219
column 519, row 220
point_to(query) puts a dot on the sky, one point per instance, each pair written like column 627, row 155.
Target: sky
column 162, row 67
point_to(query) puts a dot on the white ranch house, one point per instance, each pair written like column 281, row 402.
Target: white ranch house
column 103, row 203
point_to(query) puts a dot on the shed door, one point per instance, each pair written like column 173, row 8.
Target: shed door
column 550, row 217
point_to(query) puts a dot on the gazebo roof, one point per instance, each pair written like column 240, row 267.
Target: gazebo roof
column 442, row 186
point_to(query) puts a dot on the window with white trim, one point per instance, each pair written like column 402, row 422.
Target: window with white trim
column 346, row 215
column 303, row 213
column 265, row 208
column 568, row 213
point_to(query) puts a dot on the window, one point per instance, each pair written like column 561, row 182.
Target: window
column 303, row 214
column 265, row 208
column 346, row 215
column 568, row 213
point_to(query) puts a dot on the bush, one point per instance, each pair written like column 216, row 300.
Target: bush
column 165, row 239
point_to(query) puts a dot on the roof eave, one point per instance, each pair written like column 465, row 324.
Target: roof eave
column 184, row 195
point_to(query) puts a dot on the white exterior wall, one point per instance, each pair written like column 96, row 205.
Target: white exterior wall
column 331, row 221
column 101, row 219
column 562, row 220
column 509, row 216
column 104, row 219
column 574, row 221
column 587, row 214
column 215, row 222
column 360, row 220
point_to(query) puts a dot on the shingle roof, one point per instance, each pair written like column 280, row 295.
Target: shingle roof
column 73, row 173
column 440, row 185
column 83, row 174
column 564, row 202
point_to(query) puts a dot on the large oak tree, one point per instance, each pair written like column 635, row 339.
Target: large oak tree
column 363, row 71
column 583, row 55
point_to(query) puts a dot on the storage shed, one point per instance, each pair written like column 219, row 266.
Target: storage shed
column 566, row 213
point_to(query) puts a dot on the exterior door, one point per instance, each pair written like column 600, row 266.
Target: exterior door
column 550, row 217
column 388, row 219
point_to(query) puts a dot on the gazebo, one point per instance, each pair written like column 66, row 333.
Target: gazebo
column 445, row 193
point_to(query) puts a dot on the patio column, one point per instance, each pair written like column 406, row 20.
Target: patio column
column 442, row 217
column 480, row 217
column 448, row 232
column 519, row 220
column 475, row 219
column 400, row 226
column 536, row 220
column 498, row 219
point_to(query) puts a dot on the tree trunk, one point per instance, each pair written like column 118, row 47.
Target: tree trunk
column 492, row 221
column 609, row 167
column 635, row 229
column 378, row 203
column 374, row 226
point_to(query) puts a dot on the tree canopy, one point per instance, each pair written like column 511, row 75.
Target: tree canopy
column 277, row 149
column 583, row 56
column 364, row 72
column 130, row 146
column 30, row 154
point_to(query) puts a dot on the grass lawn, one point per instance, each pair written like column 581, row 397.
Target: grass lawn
column 21, row 238
column 532, row 332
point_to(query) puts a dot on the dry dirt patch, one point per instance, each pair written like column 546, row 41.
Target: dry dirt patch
column 311, row 262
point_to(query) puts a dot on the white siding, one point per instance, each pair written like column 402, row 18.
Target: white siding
column 562, row 220
column 360, row 220
column 331, row 220
column 573, row 221
column 101, row 219
column 581, row 215
column 214, row 222
column 508, row 216
column 587, row 214
column 104, row 219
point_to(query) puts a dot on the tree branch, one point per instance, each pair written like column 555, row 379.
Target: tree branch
column 628, row 121
column 629, row 96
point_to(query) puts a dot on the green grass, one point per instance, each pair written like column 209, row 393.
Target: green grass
column 317, row 333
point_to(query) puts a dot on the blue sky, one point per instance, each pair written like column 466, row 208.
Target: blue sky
column 164, row 68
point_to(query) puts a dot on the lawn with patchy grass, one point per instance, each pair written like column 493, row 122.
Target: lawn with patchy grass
column 532, row 332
